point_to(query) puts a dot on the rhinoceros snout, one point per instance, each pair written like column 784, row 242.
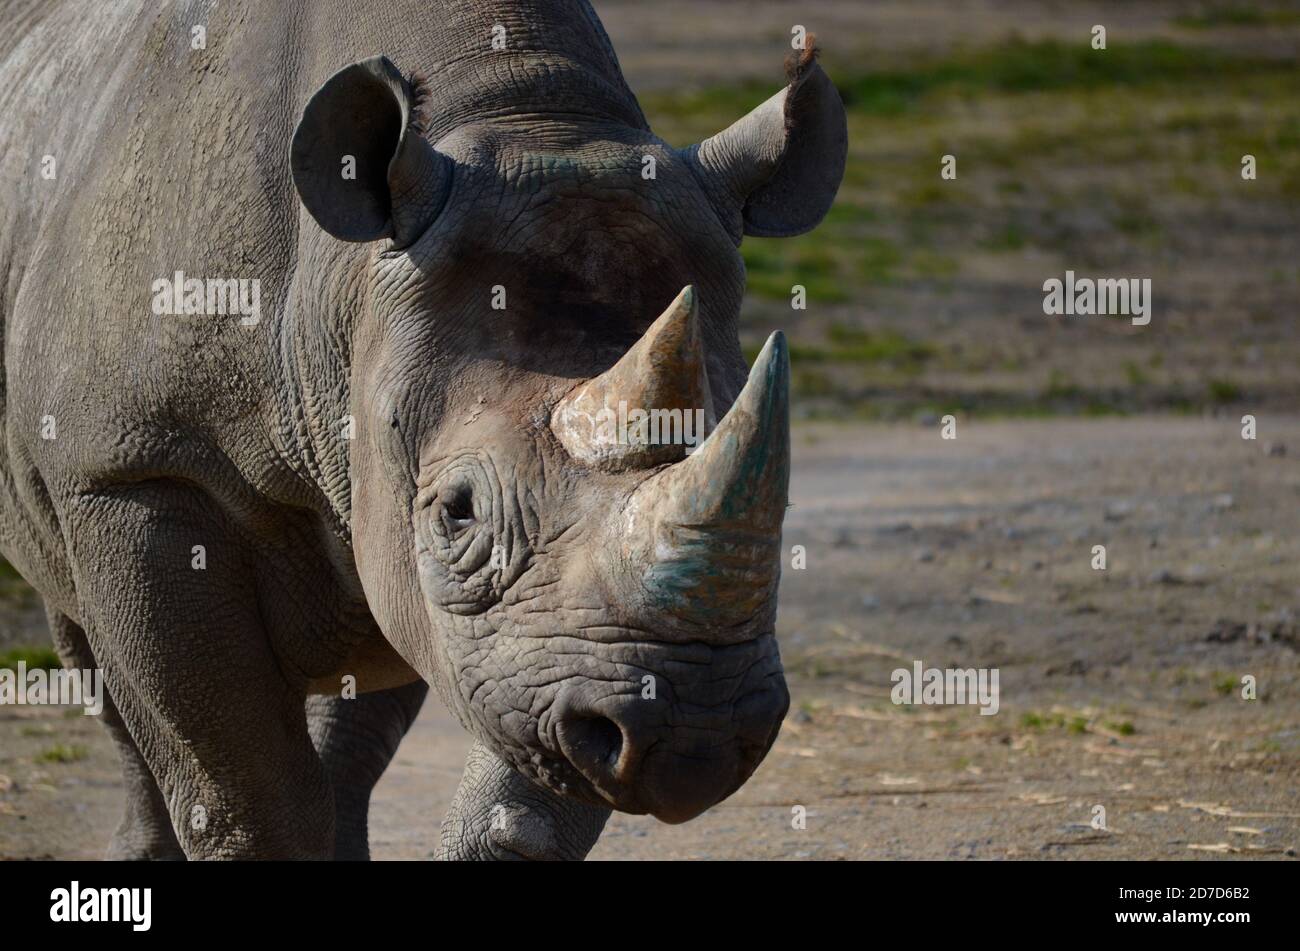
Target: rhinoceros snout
column 674, row 755
column 696, row 556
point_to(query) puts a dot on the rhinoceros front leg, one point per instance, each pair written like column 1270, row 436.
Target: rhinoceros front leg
column 356, row 740
column 145, row 832
column 193, row 674
column 498, row 814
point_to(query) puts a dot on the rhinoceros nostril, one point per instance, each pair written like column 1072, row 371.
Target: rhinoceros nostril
column 602, row 749
column 597, row 740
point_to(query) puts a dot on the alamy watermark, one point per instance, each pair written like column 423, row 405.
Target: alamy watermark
column 77, row 904
column 936, row 686
column 1086, row 297
column 654, row 427
column 212, row 296
column 38, row 686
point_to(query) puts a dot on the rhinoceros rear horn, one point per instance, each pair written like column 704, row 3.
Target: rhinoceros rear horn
column 775, row 172
column 361, row 168
column 634, row 414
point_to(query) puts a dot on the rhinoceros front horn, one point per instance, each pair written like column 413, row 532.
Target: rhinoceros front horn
column 647, row 408
column 708, row 529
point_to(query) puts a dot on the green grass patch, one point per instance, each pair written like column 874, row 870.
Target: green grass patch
column 774, row 268
column 1234, row 14
column 1134, row 218
column 1009, row 237
column 8, row 572
column 811, row 383
column 1015, row 66
column 62, row 753
column 14, row 589
column 1054, row 721
column 1135, row 375
column 1223, row 391
column 1225, row 685
column 1021, row 66
column 34, row 657
column 853, row 345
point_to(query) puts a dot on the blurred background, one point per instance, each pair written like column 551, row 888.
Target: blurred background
column 1122, row 687
column 927, row 293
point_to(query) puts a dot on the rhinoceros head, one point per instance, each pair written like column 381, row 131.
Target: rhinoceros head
column 593, row 591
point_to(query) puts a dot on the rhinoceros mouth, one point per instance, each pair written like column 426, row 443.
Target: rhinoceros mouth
column 670, row 746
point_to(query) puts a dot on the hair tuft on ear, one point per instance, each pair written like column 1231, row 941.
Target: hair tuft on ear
column 420, row 104
column 798, row 61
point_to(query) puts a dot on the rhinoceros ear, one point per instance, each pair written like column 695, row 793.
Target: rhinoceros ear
column 361, row 169
column 775, row 172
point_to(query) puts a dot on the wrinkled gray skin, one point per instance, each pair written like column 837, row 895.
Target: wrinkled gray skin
column 367, row 557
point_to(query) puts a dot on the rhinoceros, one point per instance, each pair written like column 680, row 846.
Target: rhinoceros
column 322, row 322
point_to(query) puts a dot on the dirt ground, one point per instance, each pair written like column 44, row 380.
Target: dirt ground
column 1120, row 687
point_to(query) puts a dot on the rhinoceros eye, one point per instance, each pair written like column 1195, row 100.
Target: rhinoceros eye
column 456, row 508
column 471, row 534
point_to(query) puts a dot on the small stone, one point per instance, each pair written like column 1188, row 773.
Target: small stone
column 924, row 556
column 1226, row 632
column 896, row 528
column 1276, row 449
column 1118, row 511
